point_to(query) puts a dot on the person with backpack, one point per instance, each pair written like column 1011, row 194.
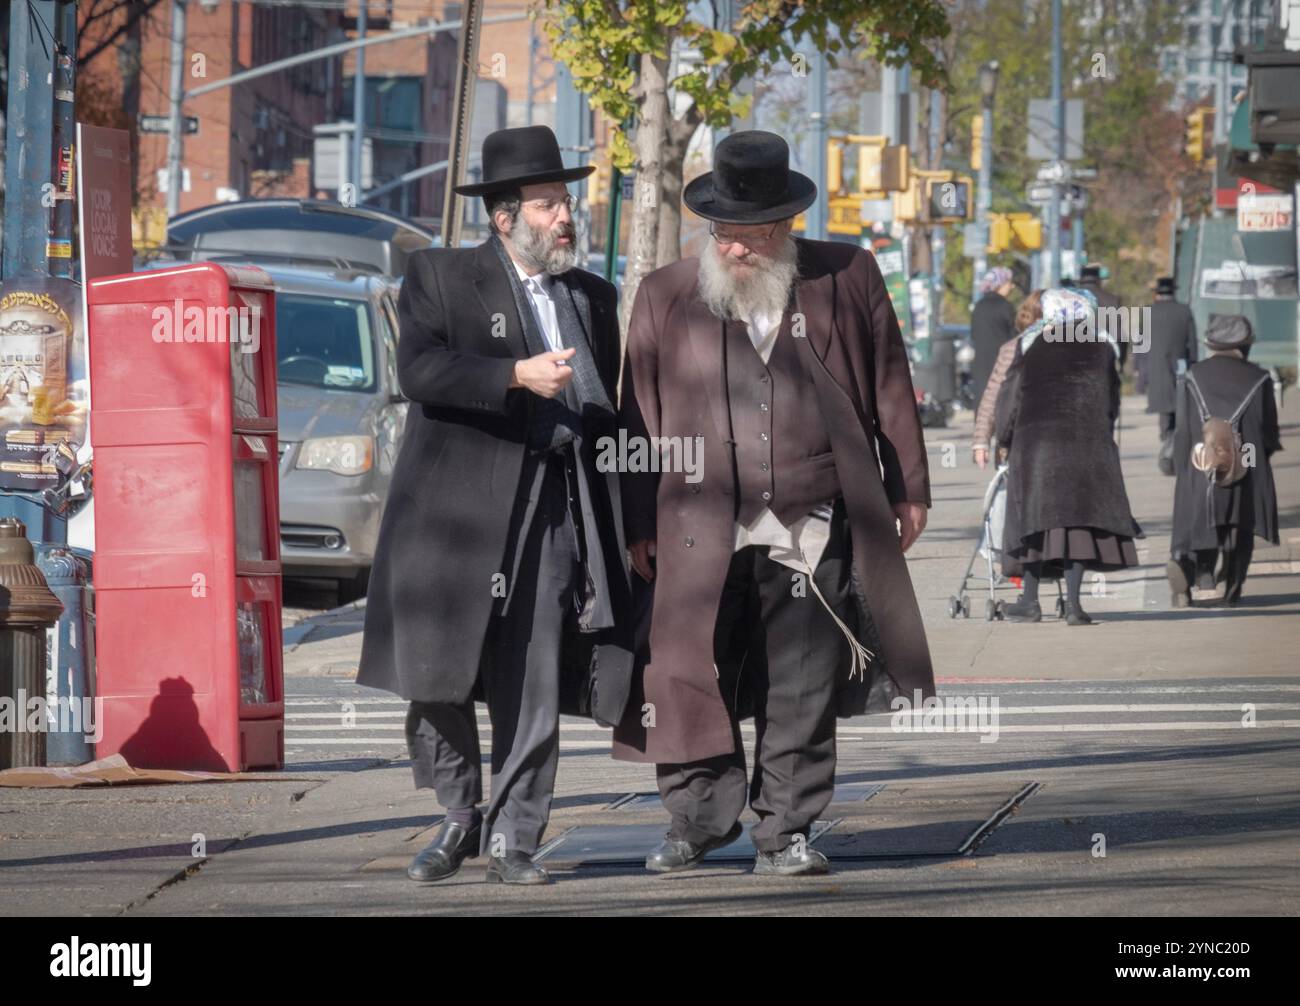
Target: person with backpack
column 1226, row 430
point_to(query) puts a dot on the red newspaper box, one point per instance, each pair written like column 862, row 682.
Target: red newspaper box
column 187, row 542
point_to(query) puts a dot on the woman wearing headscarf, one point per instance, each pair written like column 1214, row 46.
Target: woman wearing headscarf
column 1029, row 311
column 1067, row 510
column 992, row 322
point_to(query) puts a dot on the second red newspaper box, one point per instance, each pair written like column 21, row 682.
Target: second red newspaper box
column 187, row 543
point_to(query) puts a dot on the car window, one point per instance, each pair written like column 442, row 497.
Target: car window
column 324, row 342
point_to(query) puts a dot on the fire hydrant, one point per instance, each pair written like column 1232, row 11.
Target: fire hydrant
column 27, row 609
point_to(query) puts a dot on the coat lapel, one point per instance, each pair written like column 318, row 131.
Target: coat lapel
column 814, row 295
column 706, row 343
column 496, row 297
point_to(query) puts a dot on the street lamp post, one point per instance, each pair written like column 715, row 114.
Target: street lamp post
column 988, row 80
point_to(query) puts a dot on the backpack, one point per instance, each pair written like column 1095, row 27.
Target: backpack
column 1219, row 452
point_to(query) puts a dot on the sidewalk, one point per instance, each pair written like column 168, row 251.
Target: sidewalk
column 1193, row 823
column 1139, row 635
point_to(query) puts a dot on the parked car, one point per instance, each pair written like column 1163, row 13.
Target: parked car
column 341, row 418
column 293, row 227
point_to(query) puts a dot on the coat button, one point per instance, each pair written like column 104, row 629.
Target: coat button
column 763, row 379
column 695, row 488
column 766, row 496
column 762, row 436
column 762, row 406
column 764, row 466
column 690, row 542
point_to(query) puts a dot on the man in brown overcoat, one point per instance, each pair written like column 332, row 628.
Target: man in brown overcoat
column 780, row 588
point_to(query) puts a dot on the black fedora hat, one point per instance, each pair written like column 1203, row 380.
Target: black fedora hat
column 527, row 155
column 1166, row 285
column 751, row 182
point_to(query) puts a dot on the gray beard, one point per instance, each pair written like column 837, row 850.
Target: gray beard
column 765, row 291
column 535, row 248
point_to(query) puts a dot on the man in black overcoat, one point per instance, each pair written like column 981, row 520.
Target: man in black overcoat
column 1173, row 340
column 501, row 551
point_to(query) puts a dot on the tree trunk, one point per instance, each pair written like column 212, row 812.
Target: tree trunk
column 649, row 146
column 680, row 132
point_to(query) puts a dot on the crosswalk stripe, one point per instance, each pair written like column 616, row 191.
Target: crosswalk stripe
column 1065, row 728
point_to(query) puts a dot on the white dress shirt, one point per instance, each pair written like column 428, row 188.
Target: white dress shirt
column 540, row 291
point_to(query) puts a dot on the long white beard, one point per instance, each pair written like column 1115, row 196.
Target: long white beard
column 762, row 289
column 535, row 247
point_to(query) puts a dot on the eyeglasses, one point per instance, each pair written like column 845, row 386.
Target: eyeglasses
column 726, row 237
column 552, row 206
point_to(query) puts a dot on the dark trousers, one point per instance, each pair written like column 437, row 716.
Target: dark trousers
column 1237, row 548
column 795, row 652
column 520, row 677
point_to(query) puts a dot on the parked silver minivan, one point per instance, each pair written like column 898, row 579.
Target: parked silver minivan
column 341, row 418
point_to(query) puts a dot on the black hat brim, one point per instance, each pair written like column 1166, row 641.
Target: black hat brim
column 699, row 199
column 561, row 175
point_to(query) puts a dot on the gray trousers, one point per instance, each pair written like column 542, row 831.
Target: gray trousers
column 520, row 675
column 795, row 654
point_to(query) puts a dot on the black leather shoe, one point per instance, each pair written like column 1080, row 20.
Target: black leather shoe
column 1075, row 615
column 796, row 859
column 1022, row 611
column 678, row 854
column 515, row 868
column 442, row 857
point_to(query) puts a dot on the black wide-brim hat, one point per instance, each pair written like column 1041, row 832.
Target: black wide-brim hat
column 527, row 155
column 751, row 182
column 1166, row 285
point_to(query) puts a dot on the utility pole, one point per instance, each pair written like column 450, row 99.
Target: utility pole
column 175, row 131
column 359, row 101
column 819, row 212
column 1058, row 119
column 28, row 139
column 59, row 247
column 988, row 79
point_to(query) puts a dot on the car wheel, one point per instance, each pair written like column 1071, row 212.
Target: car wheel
column 355, row 588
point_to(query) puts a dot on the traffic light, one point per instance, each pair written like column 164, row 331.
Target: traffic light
column 1199, row 122
column 999, row 234
column 977, row 141
column 598, row 184
column 1027, row 230
column 948, row 199
column 834, row 167
column 1014, row 232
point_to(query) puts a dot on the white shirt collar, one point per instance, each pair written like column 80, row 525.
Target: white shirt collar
column 542, row 279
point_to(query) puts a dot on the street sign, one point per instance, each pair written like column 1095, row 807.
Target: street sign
column 1039, row 193
column 162, row 123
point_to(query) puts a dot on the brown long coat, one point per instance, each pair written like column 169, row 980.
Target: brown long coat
column 673, row 387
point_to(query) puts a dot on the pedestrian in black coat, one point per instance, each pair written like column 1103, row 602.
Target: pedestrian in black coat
column 1067, row 510
column 501, row 548
column 992, row 323
column 1215, row 526
column 1173, row 341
